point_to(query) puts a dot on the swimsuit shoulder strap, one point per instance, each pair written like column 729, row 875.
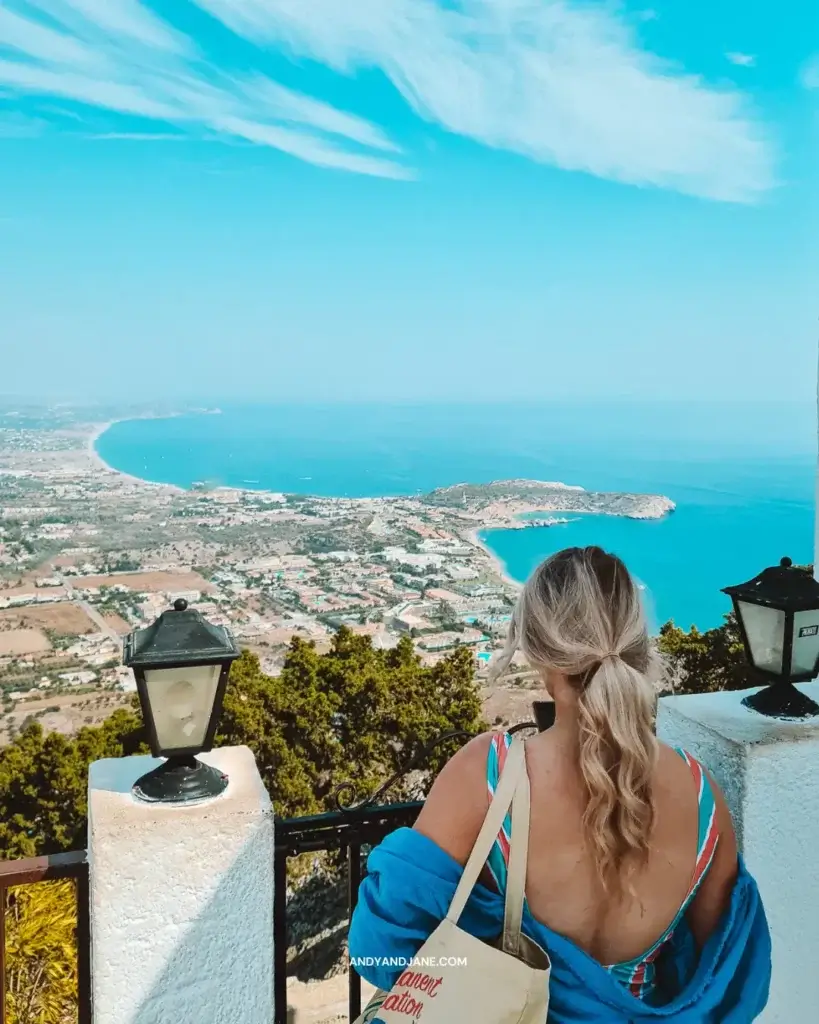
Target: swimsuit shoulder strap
column 707, row 831
column 498, row 861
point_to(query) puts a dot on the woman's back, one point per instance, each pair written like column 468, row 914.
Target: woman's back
column 563, row 887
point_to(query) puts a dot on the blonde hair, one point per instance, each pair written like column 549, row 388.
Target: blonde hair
column 580, row 614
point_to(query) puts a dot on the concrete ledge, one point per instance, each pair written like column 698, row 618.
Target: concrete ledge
column 723, row 714
column 769, row 772
column 181, row 898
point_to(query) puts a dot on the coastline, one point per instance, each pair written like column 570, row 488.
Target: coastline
column 474, row 538
column 98, row 429
column 662, row 505
column 481, row 518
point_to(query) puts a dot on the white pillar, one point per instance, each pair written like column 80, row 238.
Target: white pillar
column 769, row 772
column 181, row 899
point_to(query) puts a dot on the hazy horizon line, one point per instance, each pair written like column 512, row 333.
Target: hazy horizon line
column 210, row 402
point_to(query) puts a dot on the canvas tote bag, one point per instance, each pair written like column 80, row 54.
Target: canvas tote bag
column 455, row 977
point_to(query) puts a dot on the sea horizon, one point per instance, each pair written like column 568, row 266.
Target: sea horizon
column 741, row 503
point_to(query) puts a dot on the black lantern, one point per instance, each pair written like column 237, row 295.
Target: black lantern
column 181, row 663
column 778, row 616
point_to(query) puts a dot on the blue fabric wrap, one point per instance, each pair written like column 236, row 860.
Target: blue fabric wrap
column 410, row 884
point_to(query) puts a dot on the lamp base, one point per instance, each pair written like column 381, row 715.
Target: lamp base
column 180, row 780
column 782, row 700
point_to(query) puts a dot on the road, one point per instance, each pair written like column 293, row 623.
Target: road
column 92, row 614
column 96, row 618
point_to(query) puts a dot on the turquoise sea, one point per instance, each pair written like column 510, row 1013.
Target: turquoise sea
column 742, row 476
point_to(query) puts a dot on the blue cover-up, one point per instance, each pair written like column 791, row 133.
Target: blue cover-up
column 411, row 882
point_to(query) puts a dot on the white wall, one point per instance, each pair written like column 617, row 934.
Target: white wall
column 769, row 772
column 181, row 899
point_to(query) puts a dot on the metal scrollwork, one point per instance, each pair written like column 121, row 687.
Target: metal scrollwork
column 345, row 790
column 349, row 787
column 521, row 726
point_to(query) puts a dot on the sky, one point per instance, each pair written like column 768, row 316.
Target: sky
column 409, row 200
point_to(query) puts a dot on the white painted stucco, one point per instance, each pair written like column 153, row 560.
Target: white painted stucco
column 769, row 772
column 181, row 899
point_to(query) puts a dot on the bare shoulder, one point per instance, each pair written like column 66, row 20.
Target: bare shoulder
column 676, row 768
column 456, row 806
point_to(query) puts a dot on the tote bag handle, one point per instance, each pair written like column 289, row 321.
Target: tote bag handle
column 512, row 788
column 518, row 852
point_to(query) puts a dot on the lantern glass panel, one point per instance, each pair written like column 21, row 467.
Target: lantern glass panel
column 181, row 702
column 765, row 629
column 805, row 642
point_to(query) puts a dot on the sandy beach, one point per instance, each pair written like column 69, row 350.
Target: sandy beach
column 474, row 538
column 97, row 430
column 91, row 444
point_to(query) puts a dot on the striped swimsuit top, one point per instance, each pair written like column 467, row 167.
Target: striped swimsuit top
column 638, row 975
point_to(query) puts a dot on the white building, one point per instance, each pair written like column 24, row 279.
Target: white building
column 82, row 678
column 191, row 596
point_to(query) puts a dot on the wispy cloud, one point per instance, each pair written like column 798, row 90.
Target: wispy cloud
column 117, row 56
column 562, row 84
column 294, row 108
column 742, row 60
column 119, row 21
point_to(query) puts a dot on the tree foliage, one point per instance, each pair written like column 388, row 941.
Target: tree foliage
column 44, row 783
column 355, row 714
column 705, row 662
column 41, row 957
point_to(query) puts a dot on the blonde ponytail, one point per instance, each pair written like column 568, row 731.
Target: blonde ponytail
column 617, row 754
column 580, row 615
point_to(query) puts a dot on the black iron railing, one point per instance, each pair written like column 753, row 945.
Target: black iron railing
column 51, row 869
column 348, row 830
